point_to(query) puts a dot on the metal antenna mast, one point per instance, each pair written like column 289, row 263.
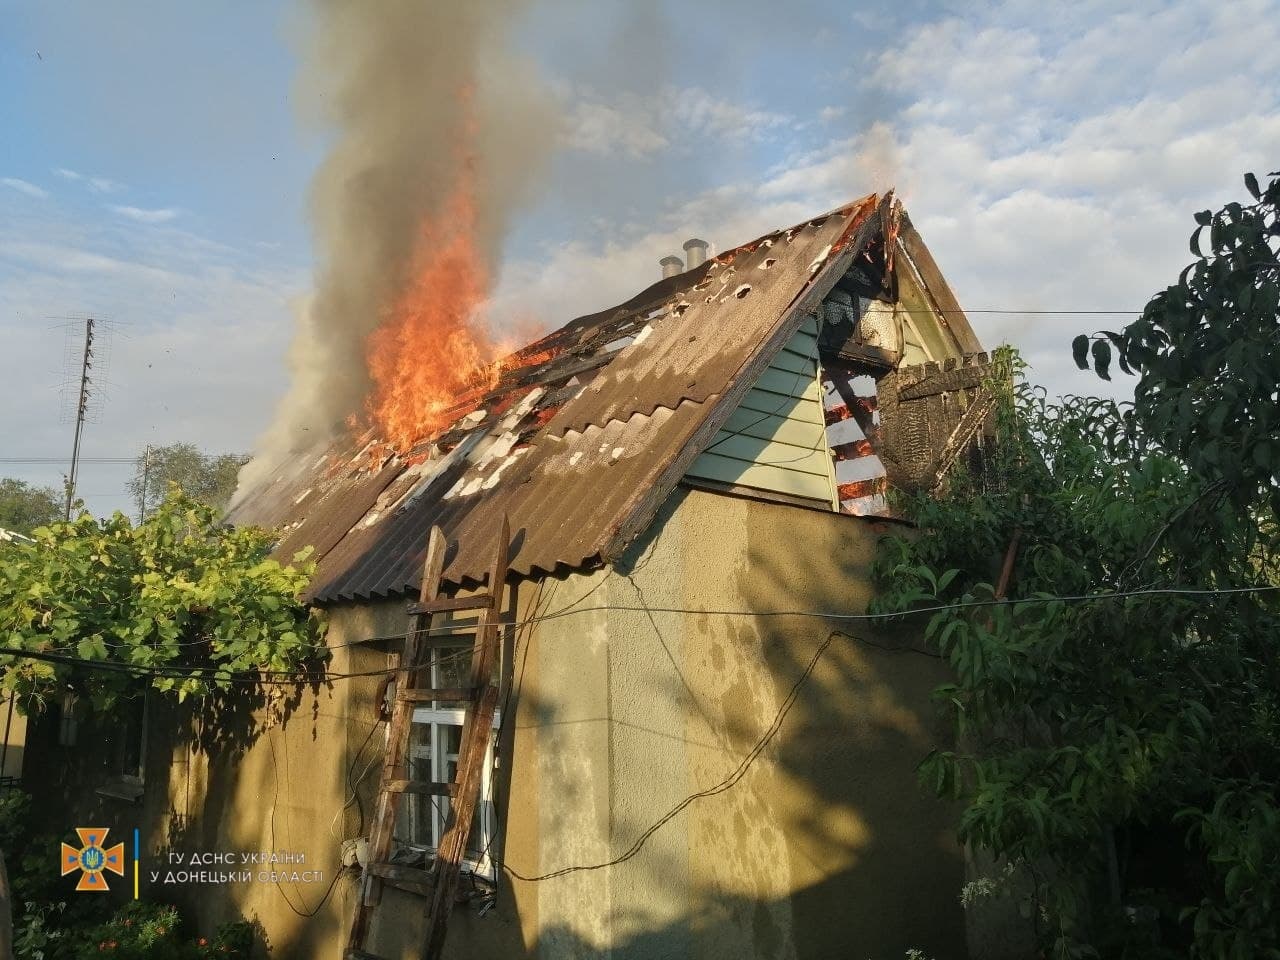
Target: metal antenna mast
column 81, row 409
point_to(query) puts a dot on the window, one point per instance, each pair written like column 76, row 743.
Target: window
column 434, row 741
column 67, row 720
column 126, row 751
column 132, row 747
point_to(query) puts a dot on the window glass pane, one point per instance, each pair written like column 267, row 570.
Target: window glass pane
column 415, row 814
column 452, row 666
column 476, row 842
column 450, row 741
column 133, row 733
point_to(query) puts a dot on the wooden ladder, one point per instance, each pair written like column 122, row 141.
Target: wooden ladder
column 440, row 882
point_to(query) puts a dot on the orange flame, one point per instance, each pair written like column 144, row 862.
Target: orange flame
column 433, row 348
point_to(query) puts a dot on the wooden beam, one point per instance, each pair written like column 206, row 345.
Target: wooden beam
column 413, row 879
column 958, row 378
column 477, row 730
column 382, row 825
column 428, row 694
column 949, row 311
column 421, row 787
column 449, row 604
column 970, row 423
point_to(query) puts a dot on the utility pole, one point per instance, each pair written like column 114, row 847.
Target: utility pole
column 146, row 475
column 81, row 409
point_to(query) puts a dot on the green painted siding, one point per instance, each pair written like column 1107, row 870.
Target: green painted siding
column 776, row 439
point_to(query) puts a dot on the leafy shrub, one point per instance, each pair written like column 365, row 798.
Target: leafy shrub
column 153, row 931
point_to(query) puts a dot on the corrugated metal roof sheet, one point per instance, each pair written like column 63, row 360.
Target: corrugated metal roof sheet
column 574, row 445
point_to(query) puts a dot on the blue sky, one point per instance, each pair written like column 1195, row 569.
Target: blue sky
column 154, row 166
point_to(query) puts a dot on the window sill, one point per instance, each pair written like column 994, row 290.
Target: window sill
column 122, row 788
column 416, row 855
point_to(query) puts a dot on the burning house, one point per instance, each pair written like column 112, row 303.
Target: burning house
column 680, row 764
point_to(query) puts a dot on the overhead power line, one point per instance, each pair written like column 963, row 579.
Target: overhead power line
column 304, row 677
column 63, row 460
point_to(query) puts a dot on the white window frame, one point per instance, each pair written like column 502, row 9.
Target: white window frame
column 437, row 716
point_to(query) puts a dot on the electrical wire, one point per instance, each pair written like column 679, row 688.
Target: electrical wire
column 726, row 784
column 275, row 799
column 302, row 678
column 353, row 795
column 60, row 460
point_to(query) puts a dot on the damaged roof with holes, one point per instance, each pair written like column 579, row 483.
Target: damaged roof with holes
column 587, row 432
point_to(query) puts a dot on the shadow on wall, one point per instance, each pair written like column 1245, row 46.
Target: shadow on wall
column 671, row 942
column 854, row 737
column 870, row 854
column 826, row 845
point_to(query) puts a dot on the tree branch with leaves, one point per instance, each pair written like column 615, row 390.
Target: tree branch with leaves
column 1128, row 749
column 181, row 602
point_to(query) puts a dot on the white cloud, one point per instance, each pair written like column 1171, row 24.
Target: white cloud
column 96, row 184
column 201, row 330
column 22, row 186
column 603, row 129
column 143, row 215
column 1051, row 157
column 704, row 114
column 640, row 127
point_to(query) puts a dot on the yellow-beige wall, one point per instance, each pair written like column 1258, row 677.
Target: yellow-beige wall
column 825, row 847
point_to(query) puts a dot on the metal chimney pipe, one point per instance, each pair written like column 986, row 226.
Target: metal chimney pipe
column 696, row 253
column 671, row 266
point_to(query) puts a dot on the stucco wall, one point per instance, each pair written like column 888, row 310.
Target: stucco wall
column 824, row 846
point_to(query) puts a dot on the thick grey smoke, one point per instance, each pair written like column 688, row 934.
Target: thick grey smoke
column 411, row 90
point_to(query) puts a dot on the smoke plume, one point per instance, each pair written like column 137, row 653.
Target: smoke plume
column 421, row 96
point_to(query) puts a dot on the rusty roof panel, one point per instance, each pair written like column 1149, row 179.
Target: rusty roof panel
column 694, row 349
column 582, row 425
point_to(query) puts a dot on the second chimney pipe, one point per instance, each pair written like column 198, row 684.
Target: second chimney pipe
column 696, row 253
column 671, row 266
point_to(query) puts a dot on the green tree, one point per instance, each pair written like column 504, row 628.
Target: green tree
column 1126, row 751
column 185, row 603
column 209, row 478
column 24, row 507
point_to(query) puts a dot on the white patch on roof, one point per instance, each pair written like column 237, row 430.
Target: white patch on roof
column 643, row 335
column 819, row 260
column 500, row 447
column 618, row 344
column 492, row 480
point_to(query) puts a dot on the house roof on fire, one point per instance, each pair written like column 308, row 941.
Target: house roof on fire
column 587, row 431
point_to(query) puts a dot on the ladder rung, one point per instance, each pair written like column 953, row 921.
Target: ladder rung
column 422, row 695
column 421, row 786
column 412, row 878
column 446, row 604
